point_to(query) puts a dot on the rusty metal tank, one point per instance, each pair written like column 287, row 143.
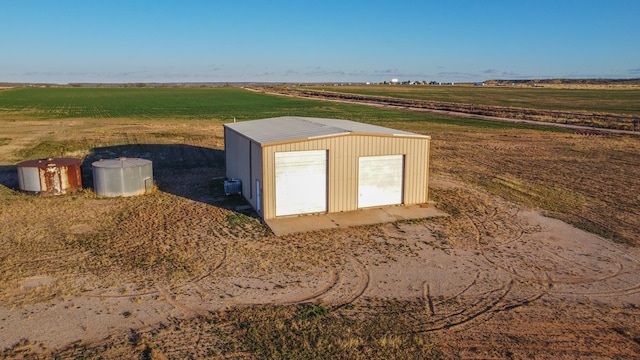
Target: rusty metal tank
column 122, row 176
column 52, row 176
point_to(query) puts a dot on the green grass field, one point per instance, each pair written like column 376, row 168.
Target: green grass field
column 145, row 103
column 222, row 103
column 218, row 104
column 618, row 101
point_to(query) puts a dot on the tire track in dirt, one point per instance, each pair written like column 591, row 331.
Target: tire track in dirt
column 586, row 266
column 632, row 290
column 545, row 272
column 463, row 291
column 553, row 331
column 626, row 270
column 199, row 278
column 191, row 282
column 501, row 255
column 346, row 284
column 351, row 281
column 450, row 314
column 54, row 264
column 334, row 279
column 426, row 294
column 169, row 296
column 244, row 281
column 541, row 264
column 487, row 248
column 490, row 227
column 478, row 300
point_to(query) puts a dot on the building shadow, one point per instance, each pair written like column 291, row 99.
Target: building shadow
column 9, row 176
column 192, row 172
column 177, row 169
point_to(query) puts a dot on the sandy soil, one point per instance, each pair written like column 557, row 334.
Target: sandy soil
column 468, row 272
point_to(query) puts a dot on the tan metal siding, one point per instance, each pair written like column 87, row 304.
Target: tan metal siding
column 416, row 173
column 343, row 153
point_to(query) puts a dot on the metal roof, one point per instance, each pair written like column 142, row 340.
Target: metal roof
column 122, row 162
column 288, row 128
column 44, row 163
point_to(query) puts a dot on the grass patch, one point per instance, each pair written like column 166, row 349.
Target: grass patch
column 309, row 332
column 554, row 199
column 558, row 202
column 311, row 311
column 54, row 148
column 238, row 219
column 185, row 136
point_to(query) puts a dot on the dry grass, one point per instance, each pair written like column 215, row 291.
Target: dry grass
column 590, row 181
column 77, row 245
column 379, row 331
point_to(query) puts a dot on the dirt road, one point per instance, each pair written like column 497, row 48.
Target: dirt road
column 606, row 123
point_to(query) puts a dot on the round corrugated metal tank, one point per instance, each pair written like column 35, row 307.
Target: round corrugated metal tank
column 52, row 176
column 122, row 177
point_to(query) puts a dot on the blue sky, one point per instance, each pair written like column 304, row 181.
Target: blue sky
column 66, row 41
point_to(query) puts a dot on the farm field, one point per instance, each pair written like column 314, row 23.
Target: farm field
column 539, row 257
column 585, row 109
column 621, row 100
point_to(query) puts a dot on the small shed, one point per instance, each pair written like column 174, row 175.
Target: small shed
column 300, row 165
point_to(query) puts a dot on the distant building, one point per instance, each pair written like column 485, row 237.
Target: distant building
column 394, row 81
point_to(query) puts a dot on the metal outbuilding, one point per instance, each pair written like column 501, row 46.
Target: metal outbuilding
column 300, row 165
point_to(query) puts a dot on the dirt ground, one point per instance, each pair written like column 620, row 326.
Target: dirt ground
column 492, row 280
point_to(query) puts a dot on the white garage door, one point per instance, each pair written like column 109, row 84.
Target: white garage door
column 380, row 180
column 301, row 182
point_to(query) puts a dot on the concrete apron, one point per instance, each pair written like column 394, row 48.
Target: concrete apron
column 305, row 223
